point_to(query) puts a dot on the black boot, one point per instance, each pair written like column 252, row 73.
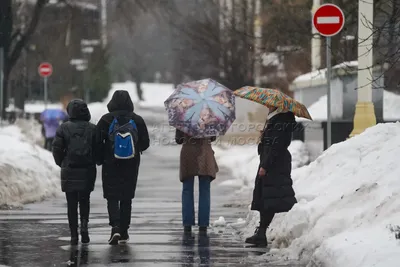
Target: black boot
column 85, row 231
column 115, row 236
column 124, row 237
column 74, row 237
column 203, row 230
column 259, row 238
column 187, row 229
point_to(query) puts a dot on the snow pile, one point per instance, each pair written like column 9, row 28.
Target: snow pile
column 349, row 205
column 244, row 160
column 27, row 172
column 220, row 222
column 31, row 131
column 391, row 108
column 321, row 74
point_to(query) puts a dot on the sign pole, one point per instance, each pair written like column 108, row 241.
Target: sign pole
column 328, row 20
column 329, row 93
column 45, row 92
column 45, row 70
column 1, row 82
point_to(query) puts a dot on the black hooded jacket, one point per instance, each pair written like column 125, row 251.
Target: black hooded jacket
column 120, row 176
column 76, row 176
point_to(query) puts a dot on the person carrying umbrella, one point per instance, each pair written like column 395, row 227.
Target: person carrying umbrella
column 197, row 112
column 51, row 119
column 273, row 192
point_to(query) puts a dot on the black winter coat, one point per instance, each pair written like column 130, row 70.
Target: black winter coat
column 120, row 176
column 274, row 192
column 76, row 177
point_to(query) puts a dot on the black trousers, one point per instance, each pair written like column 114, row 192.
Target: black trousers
column 266, row 219
column 119, row 213
column 48, row 143
column 73, row 198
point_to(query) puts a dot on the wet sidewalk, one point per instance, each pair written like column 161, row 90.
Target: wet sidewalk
column 38, row 235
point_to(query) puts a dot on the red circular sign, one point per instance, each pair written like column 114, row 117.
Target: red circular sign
column 45, row 69
column 328, row 20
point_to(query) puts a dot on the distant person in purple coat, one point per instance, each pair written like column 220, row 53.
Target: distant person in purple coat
column 51, row 119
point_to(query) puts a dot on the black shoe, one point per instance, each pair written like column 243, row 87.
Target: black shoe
column 74, row 237
column 203, row 230
column 115, row 235
column 259, row 238
column 124, row 237
column 84, row 232
column 187, row 229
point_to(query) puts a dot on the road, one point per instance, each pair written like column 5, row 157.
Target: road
column 38, row 235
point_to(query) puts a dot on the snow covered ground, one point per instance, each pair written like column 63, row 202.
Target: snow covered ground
column 27, row 171
column 391, row 108
column 154, row 95
column 349, row 205
column 243, row 162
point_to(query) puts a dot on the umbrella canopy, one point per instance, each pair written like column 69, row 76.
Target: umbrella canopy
column 49, row 115
column 273, row 98
column 201, row 108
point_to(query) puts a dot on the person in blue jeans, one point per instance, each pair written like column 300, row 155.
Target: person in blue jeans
column 196, row 159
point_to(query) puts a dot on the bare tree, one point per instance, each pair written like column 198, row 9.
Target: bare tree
column 14, row 39
column 140, row 44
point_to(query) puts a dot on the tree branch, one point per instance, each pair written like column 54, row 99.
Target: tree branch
column 16, row 52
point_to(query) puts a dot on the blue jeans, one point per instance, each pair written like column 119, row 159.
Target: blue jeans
column 188, row 217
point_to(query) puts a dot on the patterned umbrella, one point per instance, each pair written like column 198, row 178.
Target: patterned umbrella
column 273, row 98
column 201, row 108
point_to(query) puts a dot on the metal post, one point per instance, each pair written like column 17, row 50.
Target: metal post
column 315, row 41
column 328, row 83
column 1, row 82
column 45, row 92
column 257, row 44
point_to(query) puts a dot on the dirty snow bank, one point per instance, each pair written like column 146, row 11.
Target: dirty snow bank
column 27, row 172
column 349, row 205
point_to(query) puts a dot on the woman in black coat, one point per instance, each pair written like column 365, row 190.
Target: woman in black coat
column 120, row 175
column 74, row 150
column 273, row 192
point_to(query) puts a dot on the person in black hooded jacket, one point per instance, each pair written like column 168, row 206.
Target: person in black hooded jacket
column 120, row 175
column 74, row 150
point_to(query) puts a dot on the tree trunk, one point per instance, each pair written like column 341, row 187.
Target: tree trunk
column 5, row 41
column 138, row 80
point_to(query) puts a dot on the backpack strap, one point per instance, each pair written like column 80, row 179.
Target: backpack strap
column 131, row 121
column 112, row 125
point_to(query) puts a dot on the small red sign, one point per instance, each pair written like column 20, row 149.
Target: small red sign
column 328, row 20
column 45, row 69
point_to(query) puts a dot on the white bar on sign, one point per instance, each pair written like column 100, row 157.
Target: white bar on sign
column 328, row 20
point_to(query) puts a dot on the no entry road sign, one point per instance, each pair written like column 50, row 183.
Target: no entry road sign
column 328, row 20
column 45, row 69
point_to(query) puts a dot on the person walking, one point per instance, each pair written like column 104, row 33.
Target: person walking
column 123, row 136
column 273, row 192
column 74, row 150
column 50, row 120
column 196, row 159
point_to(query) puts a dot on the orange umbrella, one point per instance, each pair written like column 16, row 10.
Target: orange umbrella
column 273, row 98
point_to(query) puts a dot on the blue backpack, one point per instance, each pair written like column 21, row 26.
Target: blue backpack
column 124, row 139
